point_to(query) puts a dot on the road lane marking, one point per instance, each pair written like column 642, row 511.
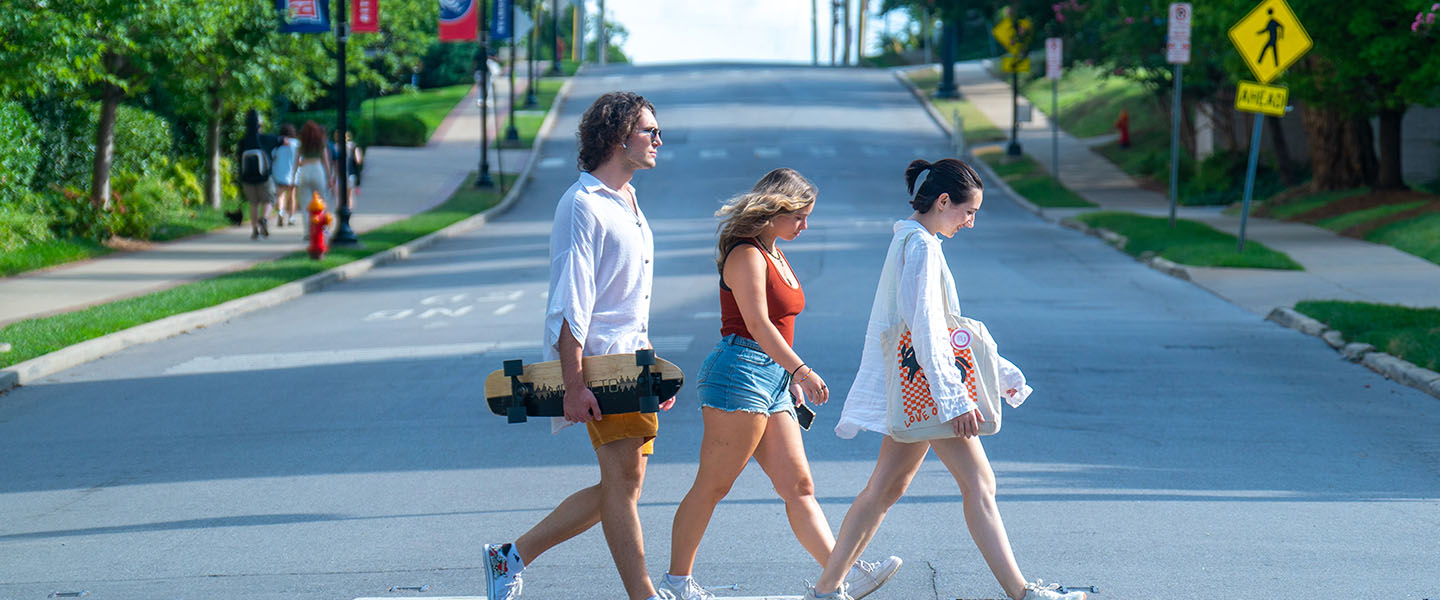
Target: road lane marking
column 290, row 360
column 767, row 152
column 714, row 153
column 504, row 309
column 822, row 151
column 553, row 162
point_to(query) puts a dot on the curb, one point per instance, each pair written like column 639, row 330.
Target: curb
column 41, row 366
column 1392, row 367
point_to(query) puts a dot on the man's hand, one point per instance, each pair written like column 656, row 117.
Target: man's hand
column 968, row 424
column 667, row 404
column 580, row 405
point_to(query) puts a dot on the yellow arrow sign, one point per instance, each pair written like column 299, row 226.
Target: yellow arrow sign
column 1015, row 41
column 1264, row 99
column 1015, row 64
column 1270, row 38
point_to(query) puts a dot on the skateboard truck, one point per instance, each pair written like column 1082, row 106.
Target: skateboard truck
column 519, row 392
column 1089, row 589
column 650, row 402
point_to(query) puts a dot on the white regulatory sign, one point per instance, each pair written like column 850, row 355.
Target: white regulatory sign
column 1177, row 40
column 1054, row 49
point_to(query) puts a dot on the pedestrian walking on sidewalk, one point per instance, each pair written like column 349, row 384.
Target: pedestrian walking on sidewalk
column 917, row 291
column 287, row 150
column 349, row 164
column 752, row 382
column 256, row 156
column 312, row 171
column 601, row 269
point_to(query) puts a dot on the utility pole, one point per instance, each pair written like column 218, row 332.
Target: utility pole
column 602, row 45
column 344, row 235
column 814, row 33
column 860, row 36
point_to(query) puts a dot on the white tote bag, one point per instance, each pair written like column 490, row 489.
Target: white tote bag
column 910, row 411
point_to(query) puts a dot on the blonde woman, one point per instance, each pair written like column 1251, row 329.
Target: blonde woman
column 752, row 381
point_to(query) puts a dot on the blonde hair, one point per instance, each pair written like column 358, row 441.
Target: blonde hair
column 779, row 192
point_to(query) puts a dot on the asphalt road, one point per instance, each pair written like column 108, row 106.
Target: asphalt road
column 336, row 446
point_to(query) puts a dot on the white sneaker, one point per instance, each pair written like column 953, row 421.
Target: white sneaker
column 664, row 595
column 1040, row 591
column 838, row 595
column 865, row 577
column 503, row 579
column 688, row 590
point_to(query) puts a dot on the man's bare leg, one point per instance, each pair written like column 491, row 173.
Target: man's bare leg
column 576, row 515
column 622, row 473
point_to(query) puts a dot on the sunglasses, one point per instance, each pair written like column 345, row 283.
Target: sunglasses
column 653, row 133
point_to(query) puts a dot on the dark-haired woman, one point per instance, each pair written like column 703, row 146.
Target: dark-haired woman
column 312, row 171
column 751, row 382
column 917, row 289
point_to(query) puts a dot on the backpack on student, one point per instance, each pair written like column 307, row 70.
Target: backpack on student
column 254, row 165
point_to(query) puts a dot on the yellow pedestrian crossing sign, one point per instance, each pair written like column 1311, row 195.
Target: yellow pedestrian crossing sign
column 1016, row 40
column 1270, row 38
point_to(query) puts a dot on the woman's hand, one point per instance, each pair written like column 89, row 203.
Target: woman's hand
column 968, row 424
column 813, row 386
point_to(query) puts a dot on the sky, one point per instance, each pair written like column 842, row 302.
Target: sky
column 664, row 31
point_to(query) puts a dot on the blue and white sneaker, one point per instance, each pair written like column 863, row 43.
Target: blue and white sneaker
column 503, row 568
column 865, row 577
column 685, row 589
column 1040, row 591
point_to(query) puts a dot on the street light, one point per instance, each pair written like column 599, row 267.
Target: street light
column 344, row 235
column 511, row 134
column 530, row 101
column 482, row 77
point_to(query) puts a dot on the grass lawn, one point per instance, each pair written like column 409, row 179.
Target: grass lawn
column 1091, row 101
column 173, row 225
column 1190, row 243
column 978, row 129
column 1025, row 176
column 527, row 122
column 1409, row 333
column 37, row 337
column 431, row 106
column 1419, row 236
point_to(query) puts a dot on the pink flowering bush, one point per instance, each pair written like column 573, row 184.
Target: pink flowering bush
column 1425, row 21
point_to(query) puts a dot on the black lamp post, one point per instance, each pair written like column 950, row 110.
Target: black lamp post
column 344, row 235
column 511, row 134
column 482, row 77
column 555, row 68
column 530, row 66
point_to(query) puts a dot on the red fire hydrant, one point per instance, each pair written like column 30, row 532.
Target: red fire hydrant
column 1123, row 124
column 319, row 219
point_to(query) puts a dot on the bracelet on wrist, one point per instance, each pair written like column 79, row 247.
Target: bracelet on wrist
column 797, row 370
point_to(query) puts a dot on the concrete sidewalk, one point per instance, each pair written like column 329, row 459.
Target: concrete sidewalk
column 398, row 182
column 1336, row 267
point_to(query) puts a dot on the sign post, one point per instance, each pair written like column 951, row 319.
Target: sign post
column 1270, row 29
column 1014, row 34
column 1054, row 50
column 1177, row 52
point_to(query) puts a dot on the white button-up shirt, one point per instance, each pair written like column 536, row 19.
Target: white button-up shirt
column 601, row 267
column 913, row 291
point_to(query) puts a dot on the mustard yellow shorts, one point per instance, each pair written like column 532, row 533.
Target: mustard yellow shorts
column 623, row 426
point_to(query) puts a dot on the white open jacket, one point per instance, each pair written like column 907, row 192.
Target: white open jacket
column 912, row 291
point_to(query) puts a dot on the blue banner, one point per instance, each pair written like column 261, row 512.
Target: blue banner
column 501, row 25
column 304, row 16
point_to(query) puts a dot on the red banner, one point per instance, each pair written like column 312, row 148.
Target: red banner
column 457, row 20
column 364, row 16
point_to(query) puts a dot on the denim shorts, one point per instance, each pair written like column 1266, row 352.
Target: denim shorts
column 738, row 375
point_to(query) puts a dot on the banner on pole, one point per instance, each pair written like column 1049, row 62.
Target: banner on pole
column 364, row 16
column 501, row 27
column 304, row 16
column 458, row 20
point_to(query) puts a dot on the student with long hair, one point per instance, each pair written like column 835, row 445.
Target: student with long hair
column 312, row 171
column 917, row 289
column 752, row 381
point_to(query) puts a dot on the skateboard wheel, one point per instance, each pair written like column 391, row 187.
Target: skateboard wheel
column 514, row 368
column 649, row 404
column 644, row 357
column 515, row 413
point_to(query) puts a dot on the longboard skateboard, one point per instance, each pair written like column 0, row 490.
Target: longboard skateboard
column 622, row 383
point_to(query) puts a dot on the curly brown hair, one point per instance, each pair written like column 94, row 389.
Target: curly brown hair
column 606, row 124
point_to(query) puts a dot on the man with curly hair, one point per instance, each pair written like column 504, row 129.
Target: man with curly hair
column 601, row 254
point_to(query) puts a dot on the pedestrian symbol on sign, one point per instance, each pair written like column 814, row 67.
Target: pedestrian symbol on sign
column 1270, row 39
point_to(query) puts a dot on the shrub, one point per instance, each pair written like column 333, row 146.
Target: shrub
column 393, row 130
column 448, row 64
column 142, row 141
column 142, row 204
column 22, row 221
column 19, row 154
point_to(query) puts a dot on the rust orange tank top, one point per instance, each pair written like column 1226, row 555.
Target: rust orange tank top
column 782, row 301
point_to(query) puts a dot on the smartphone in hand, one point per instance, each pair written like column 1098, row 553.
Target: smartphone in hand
column 804, row 415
